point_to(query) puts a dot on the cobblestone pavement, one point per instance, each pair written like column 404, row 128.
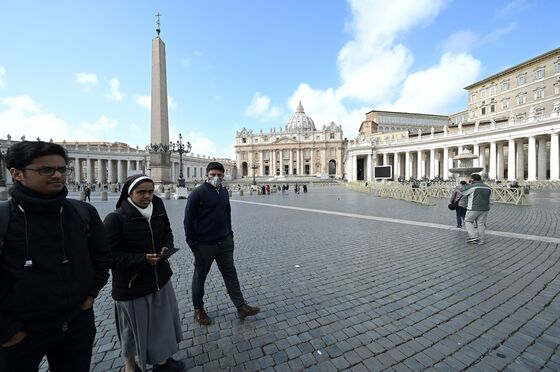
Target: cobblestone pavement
column 344, row 292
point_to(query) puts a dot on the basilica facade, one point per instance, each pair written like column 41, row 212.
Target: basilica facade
column 298, row 149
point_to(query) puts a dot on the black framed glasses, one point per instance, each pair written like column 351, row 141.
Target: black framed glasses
column 49, row 171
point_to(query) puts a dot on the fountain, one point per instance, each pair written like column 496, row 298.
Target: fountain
column 465, row 167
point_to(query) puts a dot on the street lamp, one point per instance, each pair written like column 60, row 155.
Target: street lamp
column 254, row 166
column 2, row 180
column 180, row 148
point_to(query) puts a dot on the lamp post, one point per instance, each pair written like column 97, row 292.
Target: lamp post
column 2, row 180
column 180, row 148
column 254, row 166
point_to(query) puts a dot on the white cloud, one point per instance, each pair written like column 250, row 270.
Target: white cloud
column 2, row 75
column 21, row 115
column 261, row 108
column 371, row 65
column 143, row 101
column 465, row 41
column 146, row 101
column 115, row 94
column 435, row 89
column 86, row 78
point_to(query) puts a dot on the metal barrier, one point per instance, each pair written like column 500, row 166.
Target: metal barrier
column 543, row 185
column 423, row 195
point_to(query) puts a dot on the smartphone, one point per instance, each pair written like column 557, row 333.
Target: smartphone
column 168, row 252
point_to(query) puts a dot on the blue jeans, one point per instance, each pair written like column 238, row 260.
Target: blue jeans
column 460, row 212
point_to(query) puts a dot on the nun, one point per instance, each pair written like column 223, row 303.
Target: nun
column 146, row 311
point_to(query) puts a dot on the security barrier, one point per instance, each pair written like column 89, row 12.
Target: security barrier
column 423, row 195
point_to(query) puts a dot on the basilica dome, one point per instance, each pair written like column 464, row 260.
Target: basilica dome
column 300, row 121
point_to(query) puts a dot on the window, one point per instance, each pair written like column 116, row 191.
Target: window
column 492, row 105
column 266, row 155
column 256, row 140
column 505, row 104
column 539, row 73
column 331, row 136
column 521, row 98
column 505, row 85
column 557, row 88
column 244, row 140
column 332, row 152
column 557, row 67
column 483, row 110
column 521, row 79
column 539, row 93
column 307, row 153
column 265, row 139
column 493, row 90
column 483, row 93
column 285, row 154
column 473, row 97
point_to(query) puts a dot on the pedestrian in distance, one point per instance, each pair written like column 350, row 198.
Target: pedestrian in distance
column 146, row 311
column 461, row 202
column 304, row 188
column 210, row 236
column 479, row 202
column 54, row 260
column 87, row 193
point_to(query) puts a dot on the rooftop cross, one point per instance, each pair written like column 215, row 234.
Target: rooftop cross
column 158, row 28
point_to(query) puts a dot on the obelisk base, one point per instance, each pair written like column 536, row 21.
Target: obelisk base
column 160, row 163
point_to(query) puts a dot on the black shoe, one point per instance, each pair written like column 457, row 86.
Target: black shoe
column 246, row 310
column 202, row 317
column 171, row 365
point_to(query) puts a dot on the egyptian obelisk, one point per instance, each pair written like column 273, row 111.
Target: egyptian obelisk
column 160, row 159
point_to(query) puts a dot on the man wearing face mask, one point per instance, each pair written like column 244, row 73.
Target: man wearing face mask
column 210, row 237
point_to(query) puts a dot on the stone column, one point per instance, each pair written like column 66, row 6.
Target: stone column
column 432, row 163
column 476, row 151
column 128, row 167
column 482, row 158
column 100, row 171
column 77, row 170
column 407, row 165
column 520, row 160
column 111, row 168
column 500, row 174
column 139, row 165
column 420, row 159
column 511, row 160
column 273, row 162
column 541, row 159
column 554, row 160
column 445, row 164
column 354, row 168
column 492, row 161
column 385, row 159
column 120, row 175
column 89, row 170
column 261, row 164
column 437, row 171
column 532, row 161
column 396, row 166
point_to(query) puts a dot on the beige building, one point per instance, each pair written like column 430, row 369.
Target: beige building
column 390, row 121
column 526, row 89
column 298, row 150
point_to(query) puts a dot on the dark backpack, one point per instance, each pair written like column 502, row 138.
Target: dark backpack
column 78, row 206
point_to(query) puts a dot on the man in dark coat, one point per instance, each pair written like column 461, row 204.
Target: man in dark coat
column 210, row 237
column 55, row 259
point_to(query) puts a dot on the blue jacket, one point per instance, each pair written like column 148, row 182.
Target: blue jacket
column 207, row 215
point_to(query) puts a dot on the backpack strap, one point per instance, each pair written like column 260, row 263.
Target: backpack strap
column 83, row 211
column 4, row 221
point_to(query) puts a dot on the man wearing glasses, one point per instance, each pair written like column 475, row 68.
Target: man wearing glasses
column 53, row 263
column 210, row 237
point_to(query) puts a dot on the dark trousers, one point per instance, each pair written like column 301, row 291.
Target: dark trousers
column 204, row 256
column 460, row 212
column 66, row 351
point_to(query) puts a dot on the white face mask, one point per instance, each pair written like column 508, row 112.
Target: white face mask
column 215, row 181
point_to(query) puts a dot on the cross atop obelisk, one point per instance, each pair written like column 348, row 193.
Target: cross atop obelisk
column 160, row 160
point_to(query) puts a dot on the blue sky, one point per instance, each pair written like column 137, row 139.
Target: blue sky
column 80, row 70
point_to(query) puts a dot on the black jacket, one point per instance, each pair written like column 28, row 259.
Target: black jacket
column 207, row 215
column 131, row 237
column 49, row 233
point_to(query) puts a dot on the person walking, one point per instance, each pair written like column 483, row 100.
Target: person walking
column 479, row 202
column 457, row 197
column 54, row 260
column 87, row 194
column 147, row 315
column 210, row 236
